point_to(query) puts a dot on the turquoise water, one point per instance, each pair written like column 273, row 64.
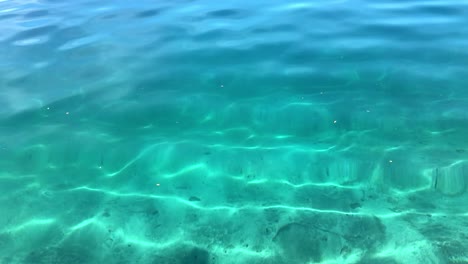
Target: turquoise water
column 207, row 131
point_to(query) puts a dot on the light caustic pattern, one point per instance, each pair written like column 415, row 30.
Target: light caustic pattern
column 219, row 132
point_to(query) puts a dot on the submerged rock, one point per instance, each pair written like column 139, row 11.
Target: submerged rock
column 194, row 199
column 299, row 243
column 320, row 238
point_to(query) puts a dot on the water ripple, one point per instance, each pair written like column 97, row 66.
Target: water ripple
column 233, row 132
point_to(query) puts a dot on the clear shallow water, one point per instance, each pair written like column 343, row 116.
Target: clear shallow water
column 229, row 132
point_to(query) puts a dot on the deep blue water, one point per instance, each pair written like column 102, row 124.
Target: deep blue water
column 209, row 131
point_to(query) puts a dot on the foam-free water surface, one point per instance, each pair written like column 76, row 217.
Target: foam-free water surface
column 233, row 132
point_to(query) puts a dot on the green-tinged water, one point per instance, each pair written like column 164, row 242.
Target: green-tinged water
column 203, row 132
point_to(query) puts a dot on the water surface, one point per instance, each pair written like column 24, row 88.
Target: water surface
column 233, row 131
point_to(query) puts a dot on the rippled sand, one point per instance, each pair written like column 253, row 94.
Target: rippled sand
column 213, row 132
